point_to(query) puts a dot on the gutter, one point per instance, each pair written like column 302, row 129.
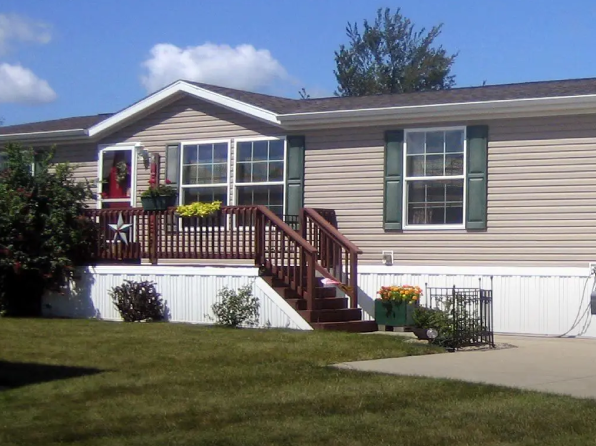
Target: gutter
column 52, row 135
column 513, row 108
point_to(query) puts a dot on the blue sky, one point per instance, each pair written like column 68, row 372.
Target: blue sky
column 67, row 58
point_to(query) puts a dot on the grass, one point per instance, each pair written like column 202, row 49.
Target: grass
column 99, row 383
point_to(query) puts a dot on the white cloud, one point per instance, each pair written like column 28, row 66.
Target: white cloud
column 16, row 28
column 243, row 67
column 19, row 84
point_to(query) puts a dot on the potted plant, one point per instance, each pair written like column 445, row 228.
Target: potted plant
column 395, row 305
column 426, row 318
column 198, row 209
column 160, row 197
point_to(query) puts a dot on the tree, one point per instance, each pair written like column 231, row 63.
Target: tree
column 390, row 56
column 43, row 233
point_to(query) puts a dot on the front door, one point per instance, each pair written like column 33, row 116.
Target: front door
column 117, row 174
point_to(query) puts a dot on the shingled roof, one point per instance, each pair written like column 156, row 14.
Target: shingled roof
column 285, row 106
column 74, row 123
column 527, row 90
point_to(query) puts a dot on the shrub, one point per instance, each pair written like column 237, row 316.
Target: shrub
column 138, row 301
column 424, row 317
column 43, row 233
column 236, row 308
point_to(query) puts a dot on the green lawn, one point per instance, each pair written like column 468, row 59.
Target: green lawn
column 169, row 384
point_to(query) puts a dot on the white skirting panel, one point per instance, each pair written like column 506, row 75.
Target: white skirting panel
column 188, row 292
column 533, row 301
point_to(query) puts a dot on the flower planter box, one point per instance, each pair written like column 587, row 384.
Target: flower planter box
column 394, row 314
column 158, row 203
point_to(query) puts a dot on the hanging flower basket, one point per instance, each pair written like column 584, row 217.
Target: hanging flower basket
column 158, row 202
column 159, row 198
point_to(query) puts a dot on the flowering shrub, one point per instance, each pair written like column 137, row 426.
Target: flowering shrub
column 401, row 293
column 198, row 209
column 161, row 190
column 43, row 232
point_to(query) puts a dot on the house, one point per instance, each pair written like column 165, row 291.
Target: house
column 492, row 185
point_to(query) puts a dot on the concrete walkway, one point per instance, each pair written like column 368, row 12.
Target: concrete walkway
column 563, row 366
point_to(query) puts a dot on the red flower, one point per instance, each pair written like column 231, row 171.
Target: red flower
column 151, row 181
column 104, row 195
column 17, row 267
column 168, row 182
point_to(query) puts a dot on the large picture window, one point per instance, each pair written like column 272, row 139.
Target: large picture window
column 260, row 173
column 434, row 177
column 205, row 172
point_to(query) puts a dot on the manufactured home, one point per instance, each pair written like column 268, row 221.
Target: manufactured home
column 491, row 185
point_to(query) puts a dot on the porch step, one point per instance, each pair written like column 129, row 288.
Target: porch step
column 327, row 303
column 351, row 326
column 332, row 315
column 329, row 311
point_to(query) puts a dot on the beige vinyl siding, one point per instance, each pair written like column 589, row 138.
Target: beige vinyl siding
column 187, row 119
column 83, row 156
column 541, row 196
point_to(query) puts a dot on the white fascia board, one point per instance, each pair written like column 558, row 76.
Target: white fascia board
column 182, row 87
column 463, row 110
column 51, row 135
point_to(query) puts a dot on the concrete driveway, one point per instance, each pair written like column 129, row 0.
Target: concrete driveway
column 555, row 365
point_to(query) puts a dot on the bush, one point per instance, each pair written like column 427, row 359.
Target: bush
column 424, row 317
column 138, row 301
column 236, row 308
column 43, row 233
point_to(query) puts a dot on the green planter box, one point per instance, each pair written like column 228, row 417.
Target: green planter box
column 394, row 314
column 159, row 203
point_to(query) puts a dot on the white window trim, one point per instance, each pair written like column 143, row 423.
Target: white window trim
column 266, row 183
column 227, row 184
column 133, row 173
column 405, row 225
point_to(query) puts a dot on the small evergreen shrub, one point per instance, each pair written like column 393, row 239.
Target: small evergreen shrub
column 236, row 308
column 138, row 301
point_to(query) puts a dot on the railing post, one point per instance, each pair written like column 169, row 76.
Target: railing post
column 153, row 234
column 310, row 280
column 259, row 238
column 302, row 223
column 354, row 279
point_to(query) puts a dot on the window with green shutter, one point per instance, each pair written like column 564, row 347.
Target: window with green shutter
column 436, row 178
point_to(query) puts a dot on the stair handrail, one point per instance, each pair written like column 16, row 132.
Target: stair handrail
column 348, row 280
column 308, row 257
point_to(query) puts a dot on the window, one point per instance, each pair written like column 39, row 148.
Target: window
column 205, row 172
column 260, row 174
column 434, row 177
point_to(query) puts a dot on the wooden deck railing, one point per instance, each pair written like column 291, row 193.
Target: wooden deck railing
column 337, row 256
column 234, row 232
column 286, row 254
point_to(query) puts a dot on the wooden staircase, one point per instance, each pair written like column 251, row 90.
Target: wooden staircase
column 330, row 311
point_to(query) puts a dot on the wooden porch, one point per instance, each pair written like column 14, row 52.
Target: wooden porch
column 294, row 256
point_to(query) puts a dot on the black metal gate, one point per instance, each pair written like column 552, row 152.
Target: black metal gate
column 469, row 315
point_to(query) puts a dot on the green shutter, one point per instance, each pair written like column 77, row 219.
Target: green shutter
column 173, row 163
column 476, row 177
column 173, row 167
column 295, row 175
column 394, row 182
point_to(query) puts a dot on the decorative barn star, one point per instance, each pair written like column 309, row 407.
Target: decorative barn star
column 119, row 229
